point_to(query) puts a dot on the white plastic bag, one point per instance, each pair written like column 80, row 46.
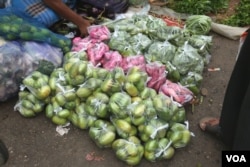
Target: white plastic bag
column 228, row 31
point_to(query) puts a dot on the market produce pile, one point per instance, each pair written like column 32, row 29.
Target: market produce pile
column 127, row 84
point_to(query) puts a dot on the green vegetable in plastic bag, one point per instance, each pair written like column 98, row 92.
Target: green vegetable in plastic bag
column 186, row 59
column 167, row 32
column 161, row 51
column 119, row 42
column 203, row 43
column 192, row 81
column 140, row 43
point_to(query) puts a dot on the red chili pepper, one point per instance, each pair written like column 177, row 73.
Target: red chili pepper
column 172, row 23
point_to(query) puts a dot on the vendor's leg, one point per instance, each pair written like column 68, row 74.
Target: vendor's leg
column 235, row 93
column 211, row 125
column 242, row 133
column 4, row 154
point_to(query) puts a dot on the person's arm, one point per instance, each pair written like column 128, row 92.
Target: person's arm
column 64, row 11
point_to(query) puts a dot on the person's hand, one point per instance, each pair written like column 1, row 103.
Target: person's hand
column 83, row 27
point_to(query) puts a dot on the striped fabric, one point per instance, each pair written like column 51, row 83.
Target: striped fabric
column 38, row 10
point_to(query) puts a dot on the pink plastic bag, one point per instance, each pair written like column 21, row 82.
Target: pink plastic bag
column 179, row 93
column 111, row 59
column 99, row 32
column 96, row 52
column 157, row 74
column 133, row 61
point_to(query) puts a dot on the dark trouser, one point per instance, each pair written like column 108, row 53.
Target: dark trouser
column 4, row 154
column 235, row 115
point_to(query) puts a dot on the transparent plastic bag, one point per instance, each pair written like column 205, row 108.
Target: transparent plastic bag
column 43, row 51
column 178, row 92
column 18, row 59
column 133, row 61
column 12, row 68
column 188, row 59
column 157, row 73
column 161, row 51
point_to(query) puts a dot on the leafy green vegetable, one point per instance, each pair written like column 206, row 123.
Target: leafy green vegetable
column 191, row 6
column 241, row 17
column 198, row 24
column 198, row 6
column 45, row 67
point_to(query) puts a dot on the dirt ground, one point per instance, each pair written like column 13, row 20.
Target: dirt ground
column 34, row 142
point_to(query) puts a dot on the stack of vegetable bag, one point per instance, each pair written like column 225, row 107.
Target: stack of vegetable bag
column 183, row 51
column 115, row 105
column 117, row 116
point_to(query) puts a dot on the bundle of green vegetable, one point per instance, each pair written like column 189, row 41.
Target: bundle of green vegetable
column 198, row 24
column 198, row 7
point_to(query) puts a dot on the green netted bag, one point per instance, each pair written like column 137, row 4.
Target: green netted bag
column 15, row 25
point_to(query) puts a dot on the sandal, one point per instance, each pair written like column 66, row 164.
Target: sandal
column 210, row 125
